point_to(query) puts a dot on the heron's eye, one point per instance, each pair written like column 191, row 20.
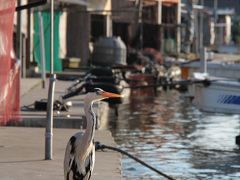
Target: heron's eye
column 98, row 92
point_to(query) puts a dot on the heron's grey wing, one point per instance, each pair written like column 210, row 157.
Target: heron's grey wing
column 70, row 167
column 69, row 156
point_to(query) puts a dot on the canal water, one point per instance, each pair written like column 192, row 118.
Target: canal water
column 167, row 132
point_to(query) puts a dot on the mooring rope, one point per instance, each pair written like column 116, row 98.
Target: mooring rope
column 99, row 146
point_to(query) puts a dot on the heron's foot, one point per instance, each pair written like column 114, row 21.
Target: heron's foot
column 98, row 146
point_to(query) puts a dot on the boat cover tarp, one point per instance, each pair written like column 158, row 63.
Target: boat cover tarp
column 57, row 63
column 9, row 68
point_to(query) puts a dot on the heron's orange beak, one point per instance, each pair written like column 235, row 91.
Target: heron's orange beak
column 111, row 95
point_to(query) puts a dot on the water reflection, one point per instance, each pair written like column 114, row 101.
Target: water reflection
column 172, row 135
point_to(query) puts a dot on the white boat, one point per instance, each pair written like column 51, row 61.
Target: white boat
column 219, row 95
column 214, row 68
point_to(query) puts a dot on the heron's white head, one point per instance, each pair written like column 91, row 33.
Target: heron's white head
column 100, row 94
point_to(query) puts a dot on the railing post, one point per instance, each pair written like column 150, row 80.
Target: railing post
column 49, row 124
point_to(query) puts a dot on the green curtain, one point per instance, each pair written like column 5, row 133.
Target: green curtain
column 46, row 27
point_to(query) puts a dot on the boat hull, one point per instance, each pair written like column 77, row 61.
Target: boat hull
column 220, row 96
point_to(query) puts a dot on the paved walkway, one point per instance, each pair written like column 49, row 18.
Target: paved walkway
column 22, row 155
column 22, row 148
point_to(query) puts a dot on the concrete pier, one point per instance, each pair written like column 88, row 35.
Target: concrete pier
column 22, row 155
column 31, row 91
column 22, row 148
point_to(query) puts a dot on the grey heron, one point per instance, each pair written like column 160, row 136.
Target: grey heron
column 80, row 151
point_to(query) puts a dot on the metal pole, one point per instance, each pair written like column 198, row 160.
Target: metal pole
column 203, row 57
column 196, row 33
column 49, row 124
column 109, row 32
column 19, row 39
column 28, row 42
column 52, row 37
column 42, row 48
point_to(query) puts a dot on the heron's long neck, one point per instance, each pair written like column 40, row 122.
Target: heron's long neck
column 91, row 122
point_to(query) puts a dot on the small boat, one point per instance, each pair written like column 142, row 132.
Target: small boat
column 218, row 95
column 214, row 68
